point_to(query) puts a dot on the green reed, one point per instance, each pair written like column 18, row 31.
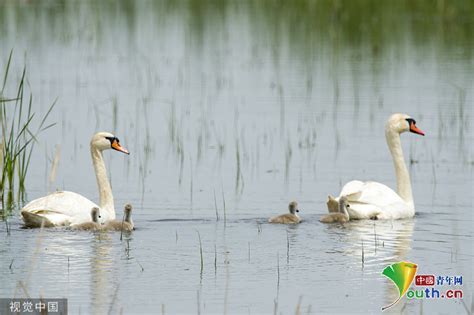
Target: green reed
column 223, row 205
column 18, row 137
column 363, row 255
column 200, row 253
column 215, row 206
column 215, row 259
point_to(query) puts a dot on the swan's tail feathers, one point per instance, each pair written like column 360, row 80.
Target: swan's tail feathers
column 33, row 220
column 333, row 204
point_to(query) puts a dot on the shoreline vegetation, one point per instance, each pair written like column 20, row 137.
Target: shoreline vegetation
column 20, row 127
column 370, row 25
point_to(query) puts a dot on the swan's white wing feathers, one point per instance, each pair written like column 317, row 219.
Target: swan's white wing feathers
column 370, row 199
column 61, row 208
column 352, row 187
column 374, row 193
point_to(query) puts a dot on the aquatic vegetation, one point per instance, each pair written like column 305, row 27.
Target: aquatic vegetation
column 215, row 206
column 200, row 253
column 363, row 255
column 215, row 259
column 19, row 135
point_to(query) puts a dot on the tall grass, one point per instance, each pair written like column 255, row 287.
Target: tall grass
column 18, row 137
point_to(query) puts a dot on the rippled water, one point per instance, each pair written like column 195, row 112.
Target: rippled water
column 219, row 105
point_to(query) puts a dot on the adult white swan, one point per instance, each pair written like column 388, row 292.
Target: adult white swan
column 372, row 200
column 64, row 208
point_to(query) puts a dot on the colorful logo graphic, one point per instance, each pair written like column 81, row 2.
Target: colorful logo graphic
column 402, row 274
column 426, row 285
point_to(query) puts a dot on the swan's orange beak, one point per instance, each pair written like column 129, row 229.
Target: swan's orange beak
column 414, row 129
column 116, row 146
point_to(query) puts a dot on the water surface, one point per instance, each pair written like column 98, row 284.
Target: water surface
column 248, row 104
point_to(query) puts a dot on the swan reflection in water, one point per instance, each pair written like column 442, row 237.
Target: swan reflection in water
column 104, row 276
column 370, row 246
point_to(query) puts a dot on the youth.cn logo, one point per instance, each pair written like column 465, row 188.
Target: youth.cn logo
column 402, row 275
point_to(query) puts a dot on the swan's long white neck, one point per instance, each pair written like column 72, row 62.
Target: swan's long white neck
column 106, row 199
column 401, row 171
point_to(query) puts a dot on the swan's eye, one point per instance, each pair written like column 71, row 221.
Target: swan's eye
column 111, row 139
column 297, row 210
column 411, row 121
column 413, row 128
column 347, row 206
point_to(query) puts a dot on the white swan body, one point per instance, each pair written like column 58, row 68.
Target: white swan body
column 372, row 200
column 66, row 208
column 59, row 208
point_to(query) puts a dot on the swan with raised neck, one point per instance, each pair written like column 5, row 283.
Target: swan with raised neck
column 372, row 200
column 63, row 208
